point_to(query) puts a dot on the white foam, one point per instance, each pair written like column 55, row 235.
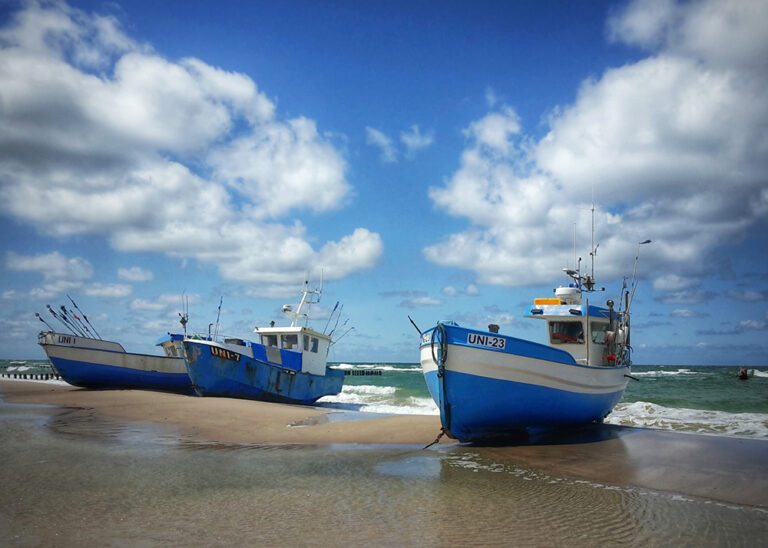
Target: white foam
column 378, row 399
column 758, row 373
column 369, row 389
column 379, row 367
column 651, row 415
column 666, row 373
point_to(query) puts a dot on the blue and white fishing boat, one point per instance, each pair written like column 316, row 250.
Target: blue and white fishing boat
column 82, row 358
column 489, row 385
column 287, row 364
column 95, row 363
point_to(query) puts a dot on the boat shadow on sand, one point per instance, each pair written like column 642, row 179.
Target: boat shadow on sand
column 589, row 433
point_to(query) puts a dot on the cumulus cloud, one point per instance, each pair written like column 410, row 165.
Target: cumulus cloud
column 673, row 148
column 383, row 143
column 112, row 291
column 135, row 274
column 412, row 139
column 415, row 141
column 60, row 274
column 100, row 135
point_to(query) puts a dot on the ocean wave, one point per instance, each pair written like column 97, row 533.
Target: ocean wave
column 379, row 399
column 18, row 368
column 408, row 368
column 702, row 421
column 758, row 373
column 665, row 373
column 369, row 389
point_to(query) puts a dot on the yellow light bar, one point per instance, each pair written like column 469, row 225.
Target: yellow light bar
column 548, row 300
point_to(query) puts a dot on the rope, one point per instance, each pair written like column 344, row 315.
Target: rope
column 443, row 340
column 437, row 439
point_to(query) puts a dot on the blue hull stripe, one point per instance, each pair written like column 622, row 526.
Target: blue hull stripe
column 95, row 375
column 255, row 379
column 482, row 408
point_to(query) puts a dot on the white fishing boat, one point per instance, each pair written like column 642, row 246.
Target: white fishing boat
column 82, row 358
column 96, row 363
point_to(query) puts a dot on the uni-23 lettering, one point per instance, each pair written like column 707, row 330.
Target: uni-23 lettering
column 486, row 340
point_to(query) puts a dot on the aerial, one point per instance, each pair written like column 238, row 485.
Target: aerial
column 417, row 159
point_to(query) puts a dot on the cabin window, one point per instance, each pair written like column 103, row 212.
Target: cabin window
column 566, row 332
column 269, row 340
column 598, row 332
column 306, row 342
column 291, row 342
column 314, row 344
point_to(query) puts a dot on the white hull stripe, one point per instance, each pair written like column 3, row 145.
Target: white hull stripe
column 523, row 369
column 140, row 362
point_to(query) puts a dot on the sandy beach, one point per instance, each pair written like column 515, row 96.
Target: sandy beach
column 130, row 467
column 721, row 468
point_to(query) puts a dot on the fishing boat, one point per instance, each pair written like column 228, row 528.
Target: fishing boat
column 287, row 364
column 490, row 385
column 82, row 358
column 96, row 363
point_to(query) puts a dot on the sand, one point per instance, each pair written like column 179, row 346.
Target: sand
column 718, row 468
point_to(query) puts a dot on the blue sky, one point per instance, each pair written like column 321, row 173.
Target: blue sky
column 432, row 159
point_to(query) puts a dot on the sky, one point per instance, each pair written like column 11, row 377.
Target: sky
column 438, row 160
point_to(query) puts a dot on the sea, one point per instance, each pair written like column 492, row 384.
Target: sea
column 699, row 399
column 72, row 477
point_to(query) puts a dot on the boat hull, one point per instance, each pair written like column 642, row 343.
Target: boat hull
column 92, row 363
column 217, row 371
column 487, row 393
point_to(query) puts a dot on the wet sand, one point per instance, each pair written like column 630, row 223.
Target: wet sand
column 722, row 469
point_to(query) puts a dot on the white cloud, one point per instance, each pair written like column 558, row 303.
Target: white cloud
column 151, row 153
column 673, row 282
column 165, row 302
column 60, row 274
column 748, row 295
column 673, row 147
column 53, row 266
column 685, row 313
column 756, row 325
column 415, row 141
column 112, row 291
column 135, row 274
column 450, row 291
column 383, row 143
column 495, row 130
column 420, row 301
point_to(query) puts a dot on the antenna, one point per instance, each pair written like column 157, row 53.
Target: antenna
column 184, row 314
column 634, row 275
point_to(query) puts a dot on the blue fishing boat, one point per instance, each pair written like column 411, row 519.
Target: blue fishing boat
column 287, row 364
column 490, row 385
column 95, row 363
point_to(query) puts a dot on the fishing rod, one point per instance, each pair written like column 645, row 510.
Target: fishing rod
column 337, row 321
column 78, row 322
column 81, row 324
column 634, row 275
column 342, row 336
column 39, row 317
column 75, row 323
column 331, row 316
column 218, row 315
column 84, row 316
column 71, row 321
column 53, row 312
